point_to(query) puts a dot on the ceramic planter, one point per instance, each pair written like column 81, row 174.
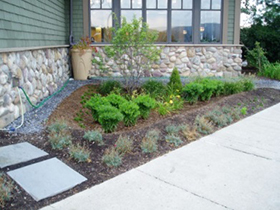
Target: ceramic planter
column 81, row 63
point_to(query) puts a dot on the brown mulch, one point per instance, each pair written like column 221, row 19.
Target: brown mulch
column 95, row 171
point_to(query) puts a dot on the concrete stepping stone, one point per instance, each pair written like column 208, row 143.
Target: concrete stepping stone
column 19, row 153
column 47, row 178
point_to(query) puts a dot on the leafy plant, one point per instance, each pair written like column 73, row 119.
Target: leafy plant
column 83, row 44
column 107, row 87
column 79, row 153
column 116, row 100
column 191, row 134
column 94, row 103
column 256, row 57
column 124, row 145
column 232, row 88
column 173, row 129
column 58, row 126
column 60, row 140
column 271, row 71
column 163, row 108
column 112, row 158
column 94, row 136
column 153, row 134
column 149, row 145
column 109, row 117
column 6, row 189
column 176, row 140
column 154, row 88
column 243, row 110
column 203, row 125
column 192, row 91
column 247, row 84
column 175, row 80
column 133, row 50
column 145, row 103
column 130, row 111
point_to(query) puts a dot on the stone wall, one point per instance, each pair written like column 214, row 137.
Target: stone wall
column 190, row 61
column 39, row 72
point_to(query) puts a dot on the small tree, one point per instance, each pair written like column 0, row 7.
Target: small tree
column 256, row 57
column 133, row 50
column 175, row 80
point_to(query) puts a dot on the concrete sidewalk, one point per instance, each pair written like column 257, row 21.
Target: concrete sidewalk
column 237, row 167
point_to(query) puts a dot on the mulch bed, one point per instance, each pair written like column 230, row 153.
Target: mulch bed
column 95, row 171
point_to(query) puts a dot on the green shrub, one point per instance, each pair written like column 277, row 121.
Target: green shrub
column 175, row 80
column 247, row 84
column 109, row 117
column 112, row 158
column 116, row 100
column 145, row 103
column 203, row 125
column 107, row 87
column 58, row 126
column 154, row 88
column 219, row 87
column 94, row 103
column 209, row 88
column 192, row 91
column 79, row 153
column 256, row 57
column 243, row 111
column 124, row 145
column 149, row 145
column 173, row 140
column 153, row 134
column 232, row 88
column 271, row 71
column 6, row 189
column 94, row 136
column 130, row 111
column 60, row 140
column 163, row 108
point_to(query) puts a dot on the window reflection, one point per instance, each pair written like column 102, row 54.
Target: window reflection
column 94, row 4
column 187, row 4
column 157, row 21
column 129, row 14
column 210, row 28
column 216, row 4
column 136, row 4
column 151, row 4
column 162, row 4
column 125, row 3
column 181, row 26
column 205, row 4
column 106, row 4
column 176, row 4
column 101, row 22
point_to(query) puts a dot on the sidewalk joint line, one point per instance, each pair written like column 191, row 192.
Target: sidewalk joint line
column 197, row 195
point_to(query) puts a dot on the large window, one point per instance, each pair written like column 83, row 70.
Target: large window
column 176, row 21
column 210, row 21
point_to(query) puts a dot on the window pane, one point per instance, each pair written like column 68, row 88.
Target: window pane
column 136, row 4
column 151, row 4
column 187, row 4
column 181, row 26
column 216, row 4
column 129, row 14
column 162, row 4
column 205, row 4
column 157, row 21
column 106, row 4
column 94, row 4
column 101, row 22
column 125, row 3
column 176, row 4
column 210, row 27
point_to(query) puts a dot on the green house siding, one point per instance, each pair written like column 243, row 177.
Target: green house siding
column 77, row 29
column 32, row 23
column 231, row 16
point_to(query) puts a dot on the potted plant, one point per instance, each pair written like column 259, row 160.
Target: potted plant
column 81, row 54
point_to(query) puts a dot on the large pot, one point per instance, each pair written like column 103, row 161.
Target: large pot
column 81, row 63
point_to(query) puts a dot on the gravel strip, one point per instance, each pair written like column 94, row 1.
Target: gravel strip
column 35, row 118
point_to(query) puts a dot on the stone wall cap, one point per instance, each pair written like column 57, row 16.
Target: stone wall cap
column 20, row 49
column 183, row 45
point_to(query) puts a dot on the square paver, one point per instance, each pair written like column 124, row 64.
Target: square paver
column 19, row 153
column 47, row 178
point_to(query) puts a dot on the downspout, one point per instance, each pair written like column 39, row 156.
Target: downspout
column 71, row 38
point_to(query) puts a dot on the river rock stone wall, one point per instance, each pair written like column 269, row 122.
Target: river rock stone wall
column 190, row 61
column 39, row 72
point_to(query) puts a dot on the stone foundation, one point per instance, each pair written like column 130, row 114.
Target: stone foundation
column 39, row 72
column 190, row 61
